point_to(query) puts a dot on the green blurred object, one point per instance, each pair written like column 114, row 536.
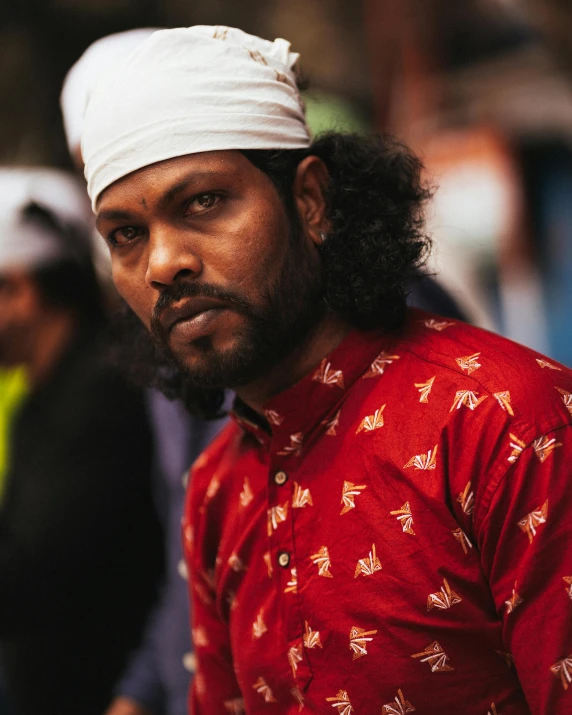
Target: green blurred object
column 328, row 112
column 13, row 388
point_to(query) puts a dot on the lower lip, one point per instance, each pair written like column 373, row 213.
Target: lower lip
column 201, row 324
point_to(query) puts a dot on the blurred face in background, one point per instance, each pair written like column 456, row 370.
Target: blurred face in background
column 205, row 252
column 18, row 311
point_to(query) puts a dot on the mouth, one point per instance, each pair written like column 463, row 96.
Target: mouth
column 188, row 311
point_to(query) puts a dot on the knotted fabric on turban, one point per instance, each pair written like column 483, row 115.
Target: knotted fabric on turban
column 191, row 90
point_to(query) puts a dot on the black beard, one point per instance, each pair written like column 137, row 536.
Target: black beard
column 292, row 307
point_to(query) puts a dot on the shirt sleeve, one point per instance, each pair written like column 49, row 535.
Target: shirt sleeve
column 525, row 540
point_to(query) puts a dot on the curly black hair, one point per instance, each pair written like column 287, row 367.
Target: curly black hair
column 375, row 247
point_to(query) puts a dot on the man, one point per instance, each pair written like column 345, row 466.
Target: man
column 385, row 524
column 80, row 554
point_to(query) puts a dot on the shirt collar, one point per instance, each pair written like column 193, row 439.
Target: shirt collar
column 293, row 414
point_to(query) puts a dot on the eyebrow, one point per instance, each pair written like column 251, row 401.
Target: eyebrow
column 188, row 180
column 191, row 178
column 112, row 215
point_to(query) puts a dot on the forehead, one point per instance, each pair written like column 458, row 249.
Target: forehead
column 157, row 181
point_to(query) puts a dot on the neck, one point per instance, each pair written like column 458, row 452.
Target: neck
column 325, row 338
column 53, row 335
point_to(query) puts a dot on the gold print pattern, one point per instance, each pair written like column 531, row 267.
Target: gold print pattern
column 514, row 601
column 212, row 489
column 463, row 539
column 544, row 363
column 563, row 669
column 292, row 585
column 341, row 703
column 359, row 638
column 200, row 638
column 568, row 581
column 301, row 497
column 517, row 446
column 469, row 363
column 235, row 706
column 443, row 599
column 268, row 561
column 259, row 627
column 322, row 561
column 435, row 656
column 332, row 424
column 424, row 389
column 437, row 324
column 405, row 517
column 378, row 366
column 235, row 563
column 294, row 657
column 531, row 521
column 328, row 376
column 311, row 638
column 369, row 565
column 467, row 500
column 298, row 697
column 543, row 447
column 372, row 422
column 295, row 446
column 273, row 417
column 503, row 398
column 566, row 398
column 276, row 515
column 256, row 56
column 400, row 706
column 349, row 492
column 424, row 461
column 246, row 495
column 468, row 399
column 262, row 687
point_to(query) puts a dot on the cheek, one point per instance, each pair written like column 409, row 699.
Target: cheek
column 132, row 287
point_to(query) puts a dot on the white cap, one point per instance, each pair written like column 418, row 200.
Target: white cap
column 25, row 243
column 190, row 90
column 102, row 55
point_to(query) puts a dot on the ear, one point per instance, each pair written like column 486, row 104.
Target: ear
column 309, row 189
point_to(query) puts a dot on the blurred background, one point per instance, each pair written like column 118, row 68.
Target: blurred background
column 481, row 89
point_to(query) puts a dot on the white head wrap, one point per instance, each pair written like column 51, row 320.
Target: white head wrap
column 191, row 90
column 25, row 244
column 99, row 57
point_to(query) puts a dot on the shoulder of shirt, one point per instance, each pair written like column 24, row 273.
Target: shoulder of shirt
column 537, row 385
column 207, row 463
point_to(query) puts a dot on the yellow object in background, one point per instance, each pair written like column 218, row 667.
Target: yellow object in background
column 13, row 388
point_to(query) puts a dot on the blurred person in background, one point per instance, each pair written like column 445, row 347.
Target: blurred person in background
column 381, row 525
column 80, row 542
column 156, row 679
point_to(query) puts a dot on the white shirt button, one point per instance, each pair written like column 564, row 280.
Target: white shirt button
column 284, row 559
column 280, row 478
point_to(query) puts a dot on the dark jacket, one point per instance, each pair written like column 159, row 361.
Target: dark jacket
column 80, row 544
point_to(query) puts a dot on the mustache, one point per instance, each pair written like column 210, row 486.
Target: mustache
column 175, row 293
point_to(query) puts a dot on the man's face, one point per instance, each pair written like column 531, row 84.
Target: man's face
column 203, row 251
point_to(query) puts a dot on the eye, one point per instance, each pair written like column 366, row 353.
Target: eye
column 201, row 203
column 125, row 234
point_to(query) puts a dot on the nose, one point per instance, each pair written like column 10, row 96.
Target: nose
column 171, row 257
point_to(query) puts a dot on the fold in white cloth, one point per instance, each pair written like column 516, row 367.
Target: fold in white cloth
column 26, row 244
column 191, row 90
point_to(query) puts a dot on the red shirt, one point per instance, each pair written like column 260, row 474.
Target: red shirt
column 401, row 541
